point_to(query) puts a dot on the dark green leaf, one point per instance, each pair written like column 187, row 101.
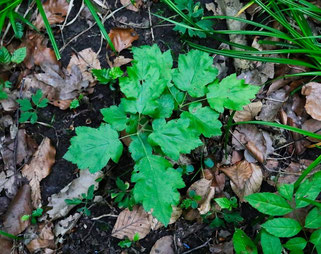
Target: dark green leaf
column 25, row 104
column 5, row 57
column 296, row 243
column 242, row 243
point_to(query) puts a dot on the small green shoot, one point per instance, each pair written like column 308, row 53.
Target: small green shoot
column 108, row 76
column 192, row 201
column 75, row 103
column 28, row 111
column 33, row 216
column 226, row 203
column 16, row 57
column 128, row 243
column 3, row 93
column 123, row 196
column 84, row 199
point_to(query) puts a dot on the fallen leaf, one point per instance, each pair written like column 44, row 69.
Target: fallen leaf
column 55, row 10
column 122, row 38
column 272, row 106
column 39, row 168
column 202, row 188
column 120, row 61
column 86, row 60
column 249, row 112
column 312, row 91
column 65, row 225
column 6, row 246
column 131, row 222
column 44, row 238
column 129, row 6
column 19, row 206
column 312, row 126
column 9, row 182
column 72, row 190
column 163, row 245
column 218, row 182
column 205, row 206
column 246, row 178
column 37, row 50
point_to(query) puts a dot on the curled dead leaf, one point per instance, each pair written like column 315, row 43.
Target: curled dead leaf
column 44, row 239
column 122, row 38
column 55, row 10
column 120, row 61
column 39, row 168
column 249, row 112
column 19, row 206
column 205, row 207
column 163, row 245
column 246, row 178
column 312, row 91
column 131, row 222
column 312, row 125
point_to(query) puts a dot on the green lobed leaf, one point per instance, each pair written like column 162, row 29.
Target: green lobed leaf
column 269, row 203
column 231, row 93
column 165, row 106
column 315, row 237
column 296, row 243
column 282, row 227
column 139, row 147
column 308, row 189
column 286, row 191
column 203, row 119
column 19, row 55
column 242, row 243
column 33, row 117
column 5, row 56
column 104, row 76
column 36, row 97
column 270, row 243
column 25, row 116
column 174, row 137
column 115, row 116
column 92, row 148
column 25, row 104
column 195, row 71
column 156, row 186
column 313, row 219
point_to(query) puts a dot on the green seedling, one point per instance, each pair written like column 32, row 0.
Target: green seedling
column 75, row 103
column 16, row 57
column 84, row 199
column 192, row 201
column 108, row 76
column 128, row 243
column 123, row 196
column 164, row 111
column 28, row 111
column 186, row 169
column 3, row 93
column 33, row 216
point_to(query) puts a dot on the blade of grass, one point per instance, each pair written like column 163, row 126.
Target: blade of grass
column 99, row 23
column 48, row 28
column 13, row 237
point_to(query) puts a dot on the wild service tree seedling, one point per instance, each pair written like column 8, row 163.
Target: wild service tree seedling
column 128, row 243
column 288, row 199
column 33, row 216
column 123, row 196
column 165, row 111
column 28, row 111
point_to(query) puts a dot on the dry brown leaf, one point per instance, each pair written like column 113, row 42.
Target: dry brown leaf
column 130, row 6
column 37, row 50
column 85, row 60
column 202, row 188
column 131, row 222
column 65, row 225
column 55, row 10
column 205, row 206
column 44, row 239
column 120, row 61
column 163, row 245
column 249, row 112
column 72, row 190
column 6, row 246
column 312, row 91
column 246, row 178
column 218, row 182
column 39, row 168
column 122, row 38
column 19, row 206
column 312, row 126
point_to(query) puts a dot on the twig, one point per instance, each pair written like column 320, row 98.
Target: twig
column 198, row 247
column 105, row 215
column 150, row 23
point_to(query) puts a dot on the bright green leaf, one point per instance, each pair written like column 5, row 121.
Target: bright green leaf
column 231, row 93
column 115, row 116
column 282, row 227
column 242, row 243
column 25, row 116
column 139, row 147
column 174, row 137
column 36, row 97
column 165, row 106
column 5, row 56
column 315, row 237
column 270, row 243
column 313, row 219
column 19, row 55
column 195, row 71
column 93, row 148
column 296, row 243
column 269, row 203
column 25, row 104
column 203, row 119
column 224, row 203
column 286, row 191
column 156, row 186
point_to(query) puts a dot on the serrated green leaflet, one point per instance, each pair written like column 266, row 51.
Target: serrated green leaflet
column 174, row 137
column 156, row 186
column 242, row 243
column 203, row 119
column 19, row 55
column 165, row 106
column 195, row 71
column 269, row 203
column 313, row 219
column 139, row 147
column 231, row 93
column 93, row 148
column 25, row 104
column 115, row 116
column 270, row 243
column 296, row 243
column 282, row 227
column 5, row 57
